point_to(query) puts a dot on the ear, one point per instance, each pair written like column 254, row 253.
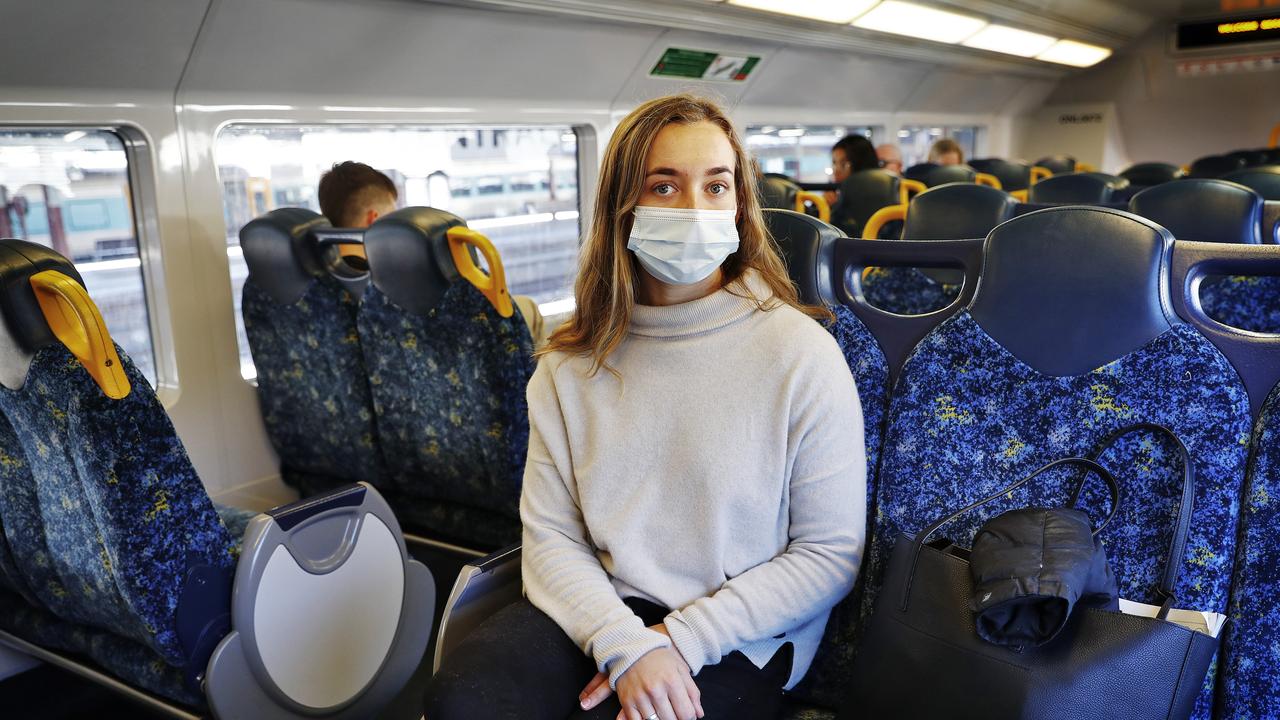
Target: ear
column 369, row 216
column 76, row 322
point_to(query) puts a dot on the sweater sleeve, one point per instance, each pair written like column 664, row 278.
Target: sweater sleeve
column 562, row 575
column 827, row 492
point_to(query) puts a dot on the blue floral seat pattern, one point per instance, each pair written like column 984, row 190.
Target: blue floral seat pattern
column 1248, row 303
column 1248, row 689
column 833, row 664
column 102, row 511
column 906, row 291
column 449, row 396
column 968, row 418
column 312, row 384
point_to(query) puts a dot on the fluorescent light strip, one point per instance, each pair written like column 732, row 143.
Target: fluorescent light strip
column 1078, row 54
column 1010, row 41
column 918, row 21
column 835, row 11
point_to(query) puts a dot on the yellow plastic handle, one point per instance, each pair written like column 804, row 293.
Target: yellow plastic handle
column 908, row 189
column 1039, row 172
column 882, row 217
column 494, row 284
column 76, row 322
column 824, row 208
column 1020, row 195
column 1274, row 140
column 1085, row 167
column 989, row 180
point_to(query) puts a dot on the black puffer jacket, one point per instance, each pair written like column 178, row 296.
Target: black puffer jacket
column 1030, row 567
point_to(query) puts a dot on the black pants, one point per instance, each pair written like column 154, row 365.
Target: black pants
column 519, row 665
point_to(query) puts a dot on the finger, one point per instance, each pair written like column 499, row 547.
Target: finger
column 662, row 705
column 630, row 713
column 644, row 707
column 681, row 702
column 695, row 694
column 596, row 691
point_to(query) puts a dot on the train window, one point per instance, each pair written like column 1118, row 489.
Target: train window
column 68, row 188
column 802, row 152
column 915, row 140
column 516, row 184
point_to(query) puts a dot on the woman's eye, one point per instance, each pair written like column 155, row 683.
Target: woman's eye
column 718, row 189
column 664, row 189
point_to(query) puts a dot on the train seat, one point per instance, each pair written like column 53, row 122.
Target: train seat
column 1070, row 336
column 1215, row 166
column 114, row 550
column 447, row 372
column 946, row 212
column 299, row 309
column 1210, row 210
column 1012, row 176
column 1057, row 164
column 920, row 171
column 1251, row 158
column 778, row 191
column 861, row 195
column 944, row 174
column 1074, row 188
column 1151, row 173
column 1264, row 180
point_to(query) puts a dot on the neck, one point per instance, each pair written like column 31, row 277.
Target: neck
column 652, row 291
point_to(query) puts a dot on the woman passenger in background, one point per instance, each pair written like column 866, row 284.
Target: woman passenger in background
column 694, row 494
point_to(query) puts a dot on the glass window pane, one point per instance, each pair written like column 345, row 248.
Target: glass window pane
column 915, row 140
column 68, row 188
column 516, row 184
column 801, row 151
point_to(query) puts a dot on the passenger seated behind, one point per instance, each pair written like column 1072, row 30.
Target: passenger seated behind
column 890, row 157
column 851, row 154
column 652, row 477
column 946, row 152
column 354, row 195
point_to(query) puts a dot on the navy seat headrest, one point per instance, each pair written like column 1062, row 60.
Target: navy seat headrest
column 1202, row 209
column 1057, row 164
column 944, row 174
column 1067, row 290
column 284, row 252
column 778, row 191
column 1151, row 173
column 866, row 191
column 1264, row 180
column 1251, row 158
column 409, row 258
column 920, row 171
column 955, row 212
column 1012, row 176
column 1214, row 166
column 1073, row 187
column 19, row 260
column 805, row 242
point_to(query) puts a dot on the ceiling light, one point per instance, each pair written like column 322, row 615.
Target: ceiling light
column 791, row 132
column 1010, row 41
column 904, row 18
column 1070, row 52
column 836, row 11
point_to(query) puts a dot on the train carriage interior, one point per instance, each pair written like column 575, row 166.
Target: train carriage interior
column 261, row 458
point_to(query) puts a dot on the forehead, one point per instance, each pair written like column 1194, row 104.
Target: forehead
column 697, row 145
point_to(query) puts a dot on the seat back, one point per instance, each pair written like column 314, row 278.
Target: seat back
column 299, row 310
column 778, row 191
column 1071, row 334
column 1012, row 176
column 920, row 171
column 1151, row 173
column 1214, row 166
column 1250, row 158
column 1202, row 209
column 944, row 174
column 1057, row 164
column 861, row 195
column 1264, row 180
column 1073, row 188
column 107, row 523
column 447, row 372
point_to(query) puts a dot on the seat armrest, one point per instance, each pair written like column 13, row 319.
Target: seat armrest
column 484, row 586
column 329, row 615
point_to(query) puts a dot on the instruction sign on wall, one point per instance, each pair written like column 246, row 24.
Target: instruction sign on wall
column 701, row 65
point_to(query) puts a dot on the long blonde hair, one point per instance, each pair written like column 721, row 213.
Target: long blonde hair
column 605, row 287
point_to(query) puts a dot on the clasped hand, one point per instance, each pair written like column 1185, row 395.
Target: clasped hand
column 657, row 685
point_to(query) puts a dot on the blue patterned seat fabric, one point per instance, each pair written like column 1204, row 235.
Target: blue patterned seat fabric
column 967, row 418
column 906, row 291
column 1248, row 303
column 312, row 385
column 831, row 668
column 449, row 396
column 103, row 514
column 1248, row 689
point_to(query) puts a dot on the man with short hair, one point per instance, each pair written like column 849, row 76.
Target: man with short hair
column 890, row 158
column 353, row 195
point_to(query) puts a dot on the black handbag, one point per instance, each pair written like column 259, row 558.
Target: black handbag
column 921, row 656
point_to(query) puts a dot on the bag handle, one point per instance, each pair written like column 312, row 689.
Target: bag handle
column 923, row 536
column 1178, row 545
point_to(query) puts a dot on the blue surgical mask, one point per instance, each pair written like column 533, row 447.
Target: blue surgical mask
column 682, row 246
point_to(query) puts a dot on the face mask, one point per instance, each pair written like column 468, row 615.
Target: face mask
column 680, row 246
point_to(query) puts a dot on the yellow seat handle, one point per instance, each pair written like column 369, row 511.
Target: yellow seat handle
column 1085, row 167
column 1274, row 140
column 1020, row 195
column 76, row 322
column 908, row 189
column 1040, row 172
column 988, row 180
column 882, row 217
column 494, row 284
column 824, row 208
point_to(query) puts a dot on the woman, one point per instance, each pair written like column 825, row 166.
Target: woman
column 694, row 493
column 946, row 152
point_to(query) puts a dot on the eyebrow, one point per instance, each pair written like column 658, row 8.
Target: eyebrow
column 672, row 172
